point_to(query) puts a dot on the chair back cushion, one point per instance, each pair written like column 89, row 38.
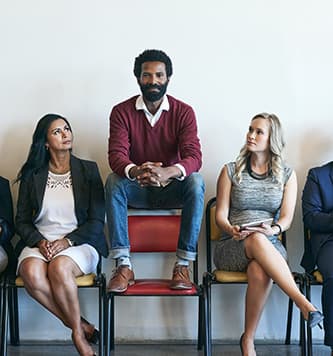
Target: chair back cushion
column 215, row 232
column 318, row 276
column 154, row 233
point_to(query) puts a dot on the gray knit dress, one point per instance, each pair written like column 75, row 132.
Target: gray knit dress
column 253, row 199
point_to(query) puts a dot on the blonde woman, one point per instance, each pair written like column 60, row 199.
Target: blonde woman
column 259, row 186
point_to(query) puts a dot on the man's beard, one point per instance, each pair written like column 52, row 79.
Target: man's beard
column 153, row 95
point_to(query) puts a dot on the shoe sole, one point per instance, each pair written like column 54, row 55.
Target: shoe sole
column 130, row 283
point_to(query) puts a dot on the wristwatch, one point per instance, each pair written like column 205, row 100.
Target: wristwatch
column 70, row 242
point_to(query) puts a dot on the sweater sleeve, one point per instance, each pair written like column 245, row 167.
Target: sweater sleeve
column 119, row 143
column 189, row 144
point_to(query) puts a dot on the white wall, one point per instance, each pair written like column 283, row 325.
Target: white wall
column 232, row 59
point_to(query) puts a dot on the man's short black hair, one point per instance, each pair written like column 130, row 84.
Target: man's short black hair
column 152, row 55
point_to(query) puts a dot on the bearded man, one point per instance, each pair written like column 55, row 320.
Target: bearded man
column 155, row 154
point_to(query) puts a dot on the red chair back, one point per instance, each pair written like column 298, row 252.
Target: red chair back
column 154, row 233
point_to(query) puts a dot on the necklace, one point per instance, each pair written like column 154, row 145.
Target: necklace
column 59, row 170
column 257, row 175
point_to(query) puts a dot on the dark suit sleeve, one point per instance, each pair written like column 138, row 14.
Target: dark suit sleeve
column 25, row 214
column 91, row 214
column 315, row 217
column 6, row 212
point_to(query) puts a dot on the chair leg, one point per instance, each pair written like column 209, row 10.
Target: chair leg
column 300, row 280
column 112, row 344
column 109, row 323
column 302, row 338
column 101, row 312
column 106, row 325
column 4, row 321
column 308, row 329
column 207, row 315
column 289, row 321
column 13, row 316
column 200, row 321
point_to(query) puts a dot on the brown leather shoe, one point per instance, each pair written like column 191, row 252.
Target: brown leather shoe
column 180, row 278
column 121, row 279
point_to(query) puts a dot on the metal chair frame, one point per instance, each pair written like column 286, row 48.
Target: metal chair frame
column 209, row 280
column 314, row 278
column 2, row 301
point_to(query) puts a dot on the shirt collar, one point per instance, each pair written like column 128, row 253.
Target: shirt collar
column 140, row 104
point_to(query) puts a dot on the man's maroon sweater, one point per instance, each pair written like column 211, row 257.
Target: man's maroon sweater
column 172, row 140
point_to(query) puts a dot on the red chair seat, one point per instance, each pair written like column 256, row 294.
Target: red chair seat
column 146, row 287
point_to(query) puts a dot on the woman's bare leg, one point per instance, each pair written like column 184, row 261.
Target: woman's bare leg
column 62, row 272
column 259, row 248
column 258, row 289
column 34, row 273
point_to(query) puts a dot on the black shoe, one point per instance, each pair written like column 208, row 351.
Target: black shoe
column 315, row 318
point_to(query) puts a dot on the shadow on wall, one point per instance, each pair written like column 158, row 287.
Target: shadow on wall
column 14, row 148
column 316, row 148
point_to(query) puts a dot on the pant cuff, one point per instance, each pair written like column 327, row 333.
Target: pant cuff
column 119, row 252
column 186, row 255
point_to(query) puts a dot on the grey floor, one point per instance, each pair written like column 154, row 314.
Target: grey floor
column 164, row 350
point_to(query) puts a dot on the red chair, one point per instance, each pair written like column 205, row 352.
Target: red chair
column 154, row 234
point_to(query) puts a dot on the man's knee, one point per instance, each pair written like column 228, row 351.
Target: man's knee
column 113, row 183
column 196, row 183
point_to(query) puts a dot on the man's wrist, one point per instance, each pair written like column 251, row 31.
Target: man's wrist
column 182, row 170
column 132, row 173
column 127, row 169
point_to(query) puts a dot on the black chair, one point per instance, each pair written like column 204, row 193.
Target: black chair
column 314, row 278
column 2, row 301
column 10, row 294
column 154, row 234
column 221, row 277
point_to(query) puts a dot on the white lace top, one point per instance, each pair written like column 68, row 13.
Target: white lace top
column 57, row 217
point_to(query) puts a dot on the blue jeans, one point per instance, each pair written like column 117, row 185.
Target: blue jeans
column 187, row 194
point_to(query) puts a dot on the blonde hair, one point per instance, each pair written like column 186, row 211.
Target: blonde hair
column 276, row 145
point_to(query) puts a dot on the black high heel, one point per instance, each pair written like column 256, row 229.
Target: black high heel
column 315, row 318
column 240, row 344
column 94, row 337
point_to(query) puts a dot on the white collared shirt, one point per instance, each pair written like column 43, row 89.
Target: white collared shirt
column 152, row 119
